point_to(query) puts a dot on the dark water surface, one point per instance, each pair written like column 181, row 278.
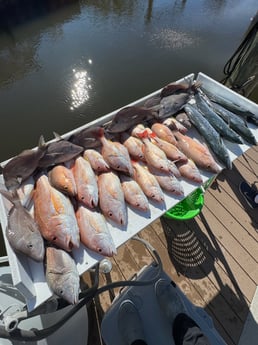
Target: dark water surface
column 65, row 63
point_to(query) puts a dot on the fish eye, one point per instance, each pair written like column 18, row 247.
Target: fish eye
column 118, row 166
column 61, row 292
column 110, row 214
column 30, row 246
column 99, row 250
column 54, row 238
column 82, row 198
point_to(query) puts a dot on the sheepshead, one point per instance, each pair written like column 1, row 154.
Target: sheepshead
column 168, row 181
column 147, row 182
column 190, row 171
column 171, row 151
column 134, row 146
column 210, row 135
column 236, row 108
column 111, row 198
column 21, row 167
column 96, row 160
column 129, row 117
column 62, row 275
column 59, row 151
column 22, row 230
column 86, row 138
column 235, row 122
column 163, row 132
column 61, row 177
column 216, row 121
column 55, row 215
column 115, row 154
column 153, row 155
column 133, row 193
column 86, row 183
column 94, row 231
column 199, row 153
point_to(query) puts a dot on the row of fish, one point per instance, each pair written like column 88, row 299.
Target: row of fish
column 82, row 182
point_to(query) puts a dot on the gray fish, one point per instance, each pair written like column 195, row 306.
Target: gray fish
column 22, row 230
column 210, row 135
column 170, row 105
column 216, row 121
column 183, row 119
column 86, row 138
column 235, row 122
column 59, row 151
column 129, row 117
column 236, row 108
column 62, row 275
column 21, row 167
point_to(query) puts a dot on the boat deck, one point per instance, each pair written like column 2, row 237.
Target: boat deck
column 212, row 258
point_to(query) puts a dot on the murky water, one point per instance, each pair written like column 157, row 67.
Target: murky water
column 64, row 63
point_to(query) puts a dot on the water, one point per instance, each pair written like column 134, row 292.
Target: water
column 64, row 63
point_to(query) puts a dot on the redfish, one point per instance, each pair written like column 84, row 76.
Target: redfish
column 115, row 154
column 111, row 198
column 133, row 193
column 62, row 275
column 190, row 171
column 153, row 155
column 96, row 160
column 61, row 177
column 168, row 181
column 55, row 215
column 147, row 182
column 94, row 231
column 171, row 151
column 22, row 230
column 199, row 153
column 86, row 183
column 134, row 145
column 163, row 132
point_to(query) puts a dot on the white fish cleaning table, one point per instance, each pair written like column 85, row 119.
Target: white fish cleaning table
column 29, row 276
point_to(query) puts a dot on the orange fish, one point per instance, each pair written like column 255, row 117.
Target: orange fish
column 190, row 171
column 199, row 153
column 61, row 177
column 163, row 132
column 55, row 215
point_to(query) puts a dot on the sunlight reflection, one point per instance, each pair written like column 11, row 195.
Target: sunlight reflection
column 80, row 87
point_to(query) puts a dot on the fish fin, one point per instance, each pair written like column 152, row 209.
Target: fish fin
column 1, row 169
column 57, row 136
column 41, row 143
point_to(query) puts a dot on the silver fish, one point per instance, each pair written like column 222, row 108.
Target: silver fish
column 22, row 231
column 62, row 275
column 216, row 121
column 133, row 193
column 210, row 135
column 94, row 231
column 21, row 167
column 235, row 122
column 111, row 198
column 234, row 107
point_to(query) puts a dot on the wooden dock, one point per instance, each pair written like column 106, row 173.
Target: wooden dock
column 212, row 258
